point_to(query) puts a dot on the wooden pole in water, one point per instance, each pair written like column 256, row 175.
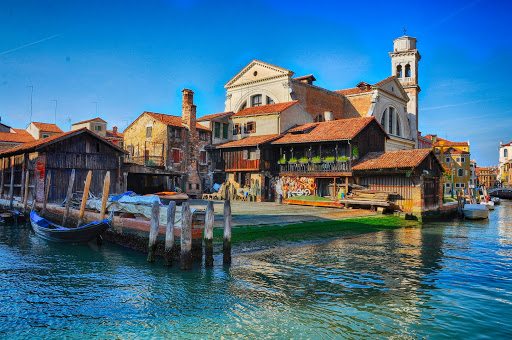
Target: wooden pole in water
column 106, row 187
column 2, row 179
column 208, row 234
column 186, row 237
column 46, row 192
column 226, row 245
column 34, row 194
column 68, row 196
column 84, row 198
column 153, row 232
column 11, row 187
column 169, row 233
column 25, row 196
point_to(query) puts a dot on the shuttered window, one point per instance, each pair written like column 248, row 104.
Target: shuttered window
column 176, row 155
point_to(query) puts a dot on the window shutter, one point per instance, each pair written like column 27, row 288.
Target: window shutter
column 245, row 154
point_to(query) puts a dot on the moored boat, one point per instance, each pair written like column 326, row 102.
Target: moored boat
column 56, row 233
column 496, row 200
column 167, row 196
column 475, row 211
column 489, row 204
column 11, row 216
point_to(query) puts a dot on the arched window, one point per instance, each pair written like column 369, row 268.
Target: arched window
column 390, row 121
column 407, row 71
column 399, row 71
column 384, row 118
column 398, row 132
column 256, row 100
column 244, row 105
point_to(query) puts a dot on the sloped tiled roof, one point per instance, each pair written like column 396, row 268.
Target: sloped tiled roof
column 172, row 120
column 90, row 120
column 213, row 116
column 110, row 134
column 508, row 144
column 392, row 159
column 326, row 131
column 309, row 76
column 249, row 141
column 50, row 140
column 359, row 90
column 446, row 142
column 18, row 136
column 46, row 127
column 265, row 109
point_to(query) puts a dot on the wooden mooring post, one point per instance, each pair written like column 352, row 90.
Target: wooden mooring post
column 104, row 198
column 46, row 192
column 68, row 196
column 208, row 234
column 153, row 232
column 186, row 237
column 226, row 245
column 169, row 233
column 84, row 198
column 25, row 196
column 11, row 187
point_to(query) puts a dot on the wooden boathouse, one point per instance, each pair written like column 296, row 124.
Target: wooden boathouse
column 81, row 150
column 411, row 177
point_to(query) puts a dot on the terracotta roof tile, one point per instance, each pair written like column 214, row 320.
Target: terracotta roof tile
column 46, row 127
column 265, row 109
column 392, row 159
column 326, row 131
column 446, row 142
column 18, row 136
column 90, row 120
column 110, row 134
column 249, row 141
column 213, row 116
column 508, row 144
column 172, row 120
column 362, row 89
column 309, row 76
column 49, row 140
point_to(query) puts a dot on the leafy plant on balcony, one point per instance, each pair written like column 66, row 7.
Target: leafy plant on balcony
column 282, row 161
column 317, row 159
column 304, row 160
column 292, row 160
column 342, row 159
column 329, row 159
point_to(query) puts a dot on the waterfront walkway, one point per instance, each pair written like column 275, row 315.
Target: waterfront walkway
column 270, row 213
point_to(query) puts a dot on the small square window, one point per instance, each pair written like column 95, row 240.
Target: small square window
column 250, row 127
column 149, row 131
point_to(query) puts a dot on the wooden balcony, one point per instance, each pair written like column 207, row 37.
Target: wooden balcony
column 154, row 161
column 317, row 169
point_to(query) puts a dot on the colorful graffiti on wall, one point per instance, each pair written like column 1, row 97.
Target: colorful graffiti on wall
column 295, row 186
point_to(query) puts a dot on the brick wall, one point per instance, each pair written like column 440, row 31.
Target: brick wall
column 317, row 100
column 357, row 106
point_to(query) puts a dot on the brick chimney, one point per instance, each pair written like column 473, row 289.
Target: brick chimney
column 188, row 111
column 114, row 131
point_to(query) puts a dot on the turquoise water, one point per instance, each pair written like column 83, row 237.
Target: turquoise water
column 443, row 280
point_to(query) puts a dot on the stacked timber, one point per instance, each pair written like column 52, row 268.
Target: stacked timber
column 372, row 198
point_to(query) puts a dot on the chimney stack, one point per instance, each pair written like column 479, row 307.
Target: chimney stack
column 188, row 112
column 114, row 131
column 328, row 116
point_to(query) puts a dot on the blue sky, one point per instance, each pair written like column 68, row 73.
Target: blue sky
column 132, row 56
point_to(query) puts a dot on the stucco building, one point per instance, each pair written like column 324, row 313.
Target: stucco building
column 43, row 130
column 505, row 156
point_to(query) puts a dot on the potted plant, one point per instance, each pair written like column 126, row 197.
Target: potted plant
column 292, row 160
column 317, row 160
column 304, row 160
column 329, row 159
column 282, row 161
column 342, row 159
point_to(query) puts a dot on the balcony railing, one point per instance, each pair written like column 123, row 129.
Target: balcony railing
column 147, row 160
column 318, row 167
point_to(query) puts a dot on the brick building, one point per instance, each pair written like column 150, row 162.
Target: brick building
column 99, row 127
column 168, row 152
column 487, row 176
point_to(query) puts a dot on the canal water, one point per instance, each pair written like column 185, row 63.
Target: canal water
column 442, row 280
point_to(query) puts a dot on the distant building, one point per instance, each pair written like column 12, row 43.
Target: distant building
column 168, row 152
column 96, row 125
column 455, row 158
column 115, row 137
column 424, row 142
column 473, row 176
column 487, row 176
column 505, row 156
column 14, row 137
column 43, row 130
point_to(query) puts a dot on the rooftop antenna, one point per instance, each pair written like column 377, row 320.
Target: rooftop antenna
column 55, row 100
column 96, row 107
column 31, row 92
column 405, row 31
column 69, row 121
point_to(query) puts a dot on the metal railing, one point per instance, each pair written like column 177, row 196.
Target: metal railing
column 146, row 160
column 309, row 167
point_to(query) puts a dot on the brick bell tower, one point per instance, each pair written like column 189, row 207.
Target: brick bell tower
column 404, row 65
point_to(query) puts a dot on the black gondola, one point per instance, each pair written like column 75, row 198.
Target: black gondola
column 56, row 233
column 11, row 216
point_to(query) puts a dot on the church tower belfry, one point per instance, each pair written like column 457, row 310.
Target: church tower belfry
column 404, row 65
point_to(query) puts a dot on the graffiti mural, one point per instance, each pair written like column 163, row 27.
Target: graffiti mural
column 294, row 186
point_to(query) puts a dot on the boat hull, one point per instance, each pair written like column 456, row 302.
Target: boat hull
column 475, row 212
column 489, row 205
column 56, row 233
column 9, row 216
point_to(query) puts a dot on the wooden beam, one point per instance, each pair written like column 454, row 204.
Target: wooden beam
column 85, row 195
column 68, row 196
column 104, row 198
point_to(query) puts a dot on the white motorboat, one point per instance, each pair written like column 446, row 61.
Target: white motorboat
column 475, row 211
column 489, row 205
